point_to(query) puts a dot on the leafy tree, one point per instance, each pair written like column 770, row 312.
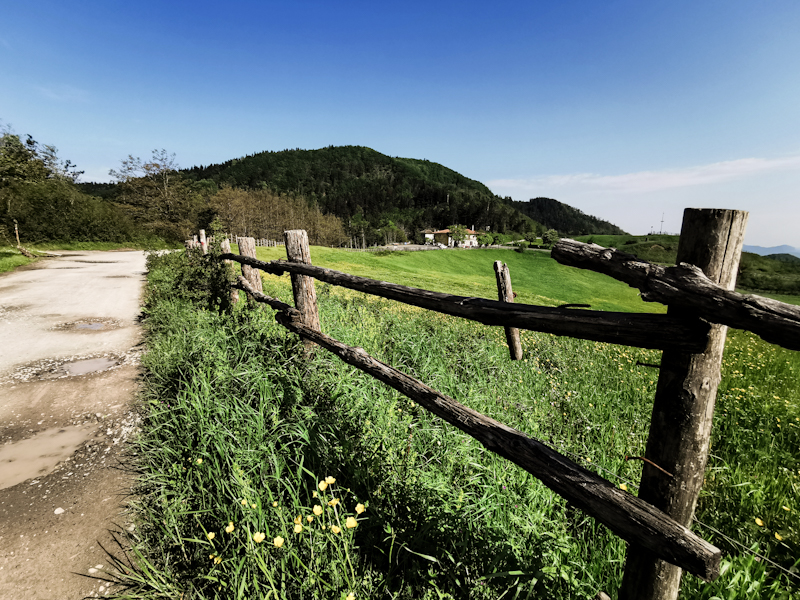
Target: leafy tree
column 484, row 239
column 549, row 238
column 458, row 233
column 531, row 237
column 156, row 195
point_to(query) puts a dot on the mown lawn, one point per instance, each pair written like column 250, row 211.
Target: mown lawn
column 240, row 431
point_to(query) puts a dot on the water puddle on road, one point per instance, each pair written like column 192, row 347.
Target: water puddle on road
column 39, row 455
column 91, row 365
column 92, row 326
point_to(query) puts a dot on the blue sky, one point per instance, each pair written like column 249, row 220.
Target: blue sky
column 625, row 109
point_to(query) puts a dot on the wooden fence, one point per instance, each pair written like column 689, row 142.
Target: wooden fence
column 701, row 300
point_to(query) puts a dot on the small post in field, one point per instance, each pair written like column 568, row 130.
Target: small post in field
column 203, row 241
column 683, row 410
column 506, row 294
column 305, row 295
column 225, row 246
column 247, row 247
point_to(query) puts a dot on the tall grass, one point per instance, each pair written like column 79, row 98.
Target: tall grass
column 241, row 431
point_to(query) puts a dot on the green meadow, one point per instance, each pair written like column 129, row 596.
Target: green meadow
column 266, row 473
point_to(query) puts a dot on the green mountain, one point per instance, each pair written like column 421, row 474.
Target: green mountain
column 565, row 219
column 370, row 191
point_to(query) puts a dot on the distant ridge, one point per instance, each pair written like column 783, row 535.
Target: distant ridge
column 566, row 219
column 762, row 251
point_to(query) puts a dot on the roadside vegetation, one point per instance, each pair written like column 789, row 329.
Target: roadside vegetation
column 265, row 474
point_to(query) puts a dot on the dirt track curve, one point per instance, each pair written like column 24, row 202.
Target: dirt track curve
column 69, row 348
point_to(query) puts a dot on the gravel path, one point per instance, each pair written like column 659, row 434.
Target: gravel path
column 69, row 348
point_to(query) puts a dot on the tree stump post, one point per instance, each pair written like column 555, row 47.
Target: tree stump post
column 247, row 247
column 203, row 241
column 683, row 410
column 305, row 294
column 225, row 246
column 506, row 294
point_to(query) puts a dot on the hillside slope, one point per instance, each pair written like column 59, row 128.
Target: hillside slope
column 370, row 190
column 565, row 219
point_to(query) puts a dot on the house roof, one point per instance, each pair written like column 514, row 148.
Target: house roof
column 467, row 231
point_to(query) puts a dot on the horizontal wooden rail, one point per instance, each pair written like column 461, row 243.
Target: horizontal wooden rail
column 685, row 286
column 626, row 515
column 631, row 329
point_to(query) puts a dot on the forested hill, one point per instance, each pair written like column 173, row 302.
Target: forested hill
column 369, row 190
column 564, row 218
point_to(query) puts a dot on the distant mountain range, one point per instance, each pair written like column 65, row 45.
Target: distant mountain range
column 762, row 251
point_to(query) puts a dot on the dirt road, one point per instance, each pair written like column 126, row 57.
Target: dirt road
column 69, row 347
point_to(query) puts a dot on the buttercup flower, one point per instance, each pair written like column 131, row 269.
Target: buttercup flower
column 317, row 510
column 298, row 528
column 244, row 502
column 199, row 461
column 217, row 560
column 336, row 529
column 623, row 487
column 323, row 486
column 210, row 535
column 278, row 541
column 258, row 537
column 330, row 480
column 333, row 502
column 314, row 494
column 229, row 528
column 360, row 508
column 778, row 536
column 274, row 504
column 309, row 518
column 253, row 505
column 351, row 522
column 297, row 519
column 759, row 522
column 350, row 596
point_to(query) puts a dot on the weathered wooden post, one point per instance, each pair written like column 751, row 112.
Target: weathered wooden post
column 247, row 247
column 225, row 246
column 305, row 295
column 683, row 409
column 506, row 294
column 203, row 241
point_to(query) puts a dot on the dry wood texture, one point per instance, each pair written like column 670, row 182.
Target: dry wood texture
column 506, row 294
column 225, row 247
column 305, row 294
column 683, row 409
column 630, row 329
column 247, row 247
column 686, row 286
column 626, row 515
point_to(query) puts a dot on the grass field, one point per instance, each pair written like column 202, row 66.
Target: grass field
column 240, row 432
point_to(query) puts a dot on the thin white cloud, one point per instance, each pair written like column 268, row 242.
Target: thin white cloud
column 64, row 93
column 651, row 181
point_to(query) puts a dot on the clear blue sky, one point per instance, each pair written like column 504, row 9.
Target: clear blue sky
column 623, row 109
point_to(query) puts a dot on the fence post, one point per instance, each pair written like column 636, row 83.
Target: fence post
column 247, row 247
column 225, row 246
column 506, row 294
column 683, row 409
column 203, row 241
column 305, row 295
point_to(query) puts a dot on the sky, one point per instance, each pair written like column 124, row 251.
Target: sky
column 627, row 110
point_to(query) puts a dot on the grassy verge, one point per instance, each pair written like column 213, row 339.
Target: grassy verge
column 11, row 258
column 240, row 433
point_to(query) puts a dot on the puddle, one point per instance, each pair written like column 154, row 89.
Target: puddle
column 92, row 326
column 39, row 455
column 91, row 365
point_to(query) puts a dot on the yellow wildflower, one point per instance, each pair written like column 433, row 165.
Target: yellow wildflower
column 258, row 537
column 278, row 541
column 199, row 461
column 298, row 528
column 297, row 519
column 333, row 502
column 309, row 518
column 210, row 557
column 351, row 522
column 253, row 505
column 786, row 508
column 759, row 522
column 323, row 485
column 318, row 510
column 274, row 504
column 778, row 536
column 244, row 502
column 314, row 494
column 217, row 560
column 336, row 529
column 330, row 480
column 210, row 535
column 623, row 487
column 360, row 508
column 350, row 596
column 229, row 528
